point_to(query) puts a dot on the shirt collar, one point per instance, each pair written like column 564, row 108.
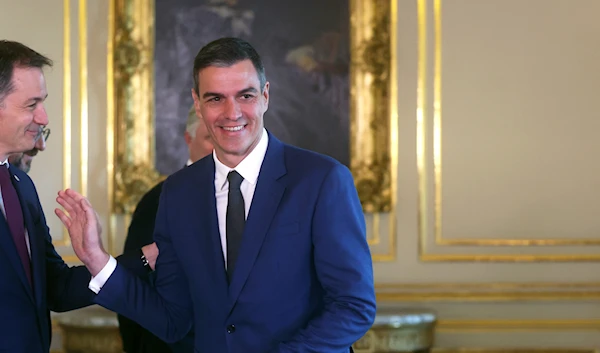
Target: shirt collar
column 248, row 168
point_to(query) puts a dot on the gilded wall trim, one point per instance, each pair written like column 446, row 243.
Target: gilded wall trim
column 67, row 106
column 487, row 292
column 83, row 99
column 483, row 325
column 65, row 241
column 423, row 153
column 131, row 50
column 373, row 109
column 514, row 350
column 437, row 163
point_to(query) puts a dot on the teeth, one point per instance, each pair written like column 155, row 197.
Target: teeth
column 233, row 128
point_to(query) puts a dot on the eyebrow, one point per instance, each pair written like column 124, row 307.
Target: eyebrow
column 220, row 95
column 37, row 99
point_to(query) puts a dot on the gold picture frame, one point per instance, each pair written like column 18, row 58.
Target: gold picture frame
column 373, row 132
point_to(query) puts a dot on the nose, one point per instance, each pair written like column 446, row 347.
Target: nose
column 232, row 109
column 40, row 116
column 40, row 144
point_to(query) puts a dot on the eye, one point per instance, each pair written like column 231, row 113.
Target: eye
column 215, row 99
column 32, row 106
column 247, row 96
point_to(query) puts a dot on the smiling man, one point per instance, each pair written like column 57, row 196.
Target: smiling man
column 33, row 277
column 272, row 257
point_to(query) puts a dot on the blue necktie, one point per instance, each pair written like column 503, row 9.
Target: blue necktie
column 235, row 220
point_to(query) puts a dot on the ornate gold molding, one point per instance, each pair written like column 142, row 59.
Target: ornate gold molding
column 373, row 117
column 487, row 292
column 373, row 102
column 66, row 123
column 131, row 51
column 477, row 325
column 514, row 350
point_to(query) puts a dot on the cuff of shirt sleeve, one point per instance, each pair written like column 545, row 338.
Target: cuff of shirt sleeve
column 98, row 282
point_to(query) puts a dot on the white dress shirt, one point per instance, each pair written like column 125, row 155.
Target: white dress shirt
column 4, row 211
column 248, row 168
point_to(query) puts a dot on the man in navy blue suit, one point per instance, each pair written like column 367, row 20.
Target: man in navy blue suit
column 33, row 278
column 262, row 245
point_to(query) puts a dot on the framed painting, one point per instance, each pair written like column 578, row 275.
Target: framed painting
column 331, row 66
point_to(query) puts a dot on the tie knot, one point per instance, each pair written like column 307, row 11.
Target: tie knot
column 235, row 180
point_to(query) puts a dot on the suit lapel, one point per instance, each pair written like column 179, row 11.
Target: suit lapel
column 210, row 242
column 7, row 244
column 267, row 195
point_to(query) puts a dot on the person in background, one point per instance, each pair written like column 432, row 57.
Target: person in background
column 135, row 338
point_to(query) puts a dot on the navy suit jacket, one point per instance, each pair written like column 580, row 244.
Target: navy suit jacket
column 25, row 310
column 303, row 279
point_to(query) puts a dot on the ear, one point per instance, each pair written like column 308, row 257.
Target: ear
column 196, row 102
column 187, row 137
column 265, row 95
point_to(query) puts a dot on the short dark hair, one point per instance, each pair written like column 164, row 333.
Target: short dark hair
column 225, row 52
column 15, row 54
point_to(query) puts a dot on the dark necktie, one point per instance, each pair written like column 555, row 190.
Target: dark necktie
column 235, row 220
column 14, row 218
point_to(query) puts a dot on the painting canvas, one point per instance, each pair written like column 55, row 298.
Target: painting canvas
column 305, row 48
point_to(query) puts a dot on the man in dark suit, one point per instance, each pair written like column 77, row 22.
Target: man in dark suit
column 33, row 277
column 272, row 256
column 135, row 338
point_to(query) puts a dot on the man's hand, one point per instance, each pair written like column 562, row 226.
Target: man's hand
column 84, row 229
column 151, row 253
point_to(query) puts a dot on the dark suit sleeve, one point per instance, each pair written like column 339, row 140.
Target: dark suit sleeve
column 68, row 286
column 344, row 268
column 132, row 261
column 140, row 233
column 164, row 309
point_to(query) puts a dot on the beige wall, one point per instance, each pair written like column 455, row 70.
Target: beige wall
column 517, row 117
column 517, row 93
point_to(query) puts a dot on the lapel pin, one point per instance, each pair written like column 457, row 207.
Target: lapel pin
column 17, row 178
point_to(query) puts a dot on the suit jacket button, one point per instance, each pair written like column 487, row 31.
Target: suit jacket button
column 231, row 329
